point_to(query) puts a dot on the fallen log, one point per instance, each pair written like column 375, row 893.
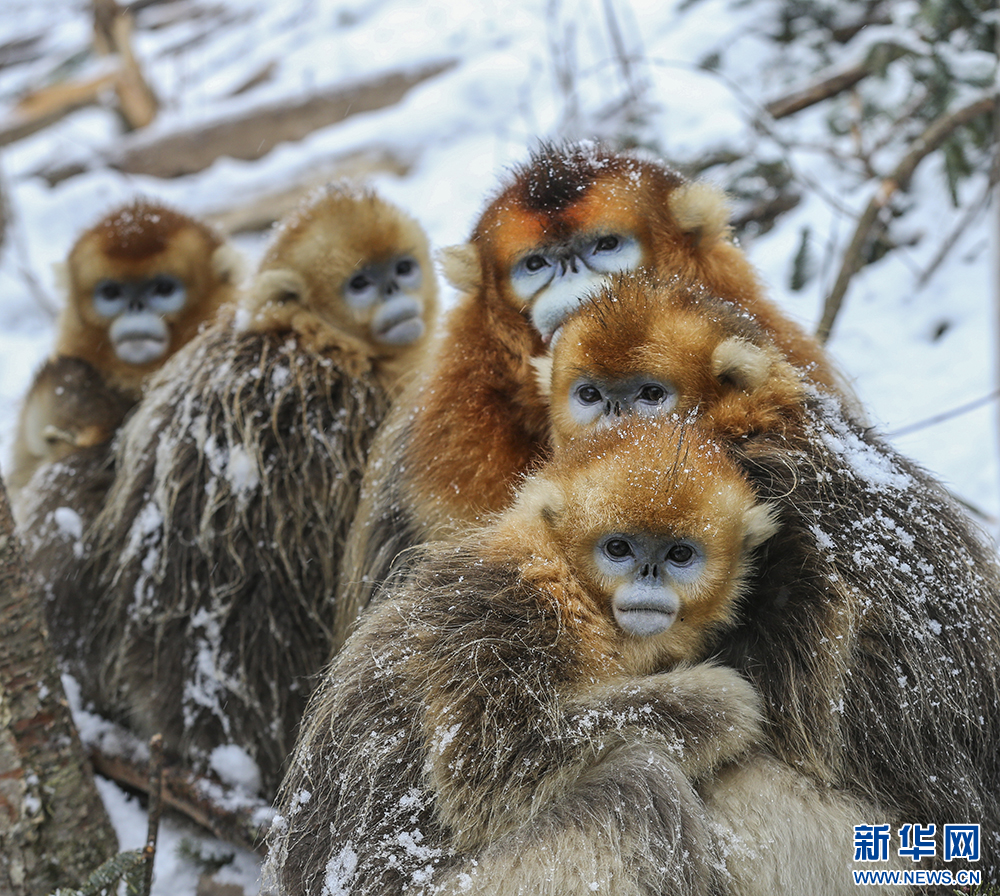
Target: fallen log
column 252, row 135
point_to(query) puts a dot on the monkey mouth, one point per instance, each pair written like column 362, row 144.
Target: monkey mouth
column 398, row 323
column 140, row 349
column 645, row 617
column 644, row 622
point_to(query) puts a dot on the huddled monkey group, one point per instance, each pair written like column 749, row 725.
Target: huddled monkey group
column 596, row 582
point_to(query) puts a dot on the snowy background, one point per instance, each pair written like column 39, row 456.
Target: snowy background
column 517, row 72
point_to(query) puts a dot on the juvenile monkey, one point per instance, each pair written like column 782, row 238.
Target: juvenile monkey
column 649, row 348
column 214, row 558
column 475, row 421
column 872, row 622
column 503, row 722
column 69, row 406
column 140, row 283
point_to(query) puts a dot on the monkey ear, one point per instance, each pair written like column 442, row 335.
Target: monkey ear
column 543, row 373
column 702, row 212
column 761, row 523
column 60, row 270
column 460, row 266
column 228, row 264
column 539, row 499
column 742, row 363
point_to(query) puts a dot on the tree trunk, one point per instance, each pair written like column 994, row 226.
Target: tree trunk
column 54, row 829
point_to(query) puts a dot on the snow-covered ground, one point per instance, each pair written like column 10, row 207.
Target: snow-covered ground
column 525, row 70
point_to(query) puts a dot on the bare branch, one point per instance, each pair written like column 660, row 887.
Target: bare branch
column 251, row 135
column 899, row 179
column 191, row 795
column 155, row 809
column 817, row 92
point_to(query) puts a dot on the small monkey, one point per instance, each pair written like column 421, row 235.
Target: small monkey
column 69, row 406
column 140, row 284
column 650, row 348
column 213, row 562
column 503, row 722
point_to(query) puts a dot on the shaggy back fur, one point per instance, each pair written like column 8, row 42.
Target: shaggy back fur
column 873, row 628
column 217, row 551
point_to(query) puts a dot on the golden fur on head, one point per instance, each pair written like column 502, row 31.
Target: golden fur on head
column 302, row 277
column 136, row 241
column 714, row 358
column 662, row 478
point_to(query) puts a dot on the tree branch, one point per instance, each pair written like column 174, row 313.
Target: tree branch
column 899, row 179
column 818, row 91
column 242, row 822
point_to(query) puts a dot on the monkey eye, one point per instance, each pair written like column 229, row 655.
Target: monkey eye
column 612, row 252
column 164, row 287
column 681, row 554
column 362, row 289
column 618, row 548
column 588, row 393
column 535, row 263
column 651, row 393
column 108, row 289
column 407, row 272
column 164, row 293
column 109, row 298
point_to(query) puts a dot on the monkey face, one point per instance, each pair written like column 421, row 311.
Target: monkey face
column 553, row 279
column 134, row 312
column 650, row 573
column 388, row 296
column 641, row 348
column 354, row 263
column 593, row 401
column 658, row 523
column 569, row 219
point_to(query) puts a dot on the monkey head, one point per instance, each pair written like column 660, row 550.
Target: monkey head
column 658, row 525
column 356, row 264
column 647, row 348
column 575, row 214
column 141, row 282
column 68, row 407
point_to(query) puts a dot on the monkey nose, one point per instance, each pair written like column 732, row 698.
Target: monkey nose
column 607, row 408
column 618, row 408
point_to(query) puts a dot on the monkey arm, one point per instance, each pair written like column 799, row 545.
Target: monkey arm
column 509, row 727
column 630, row 825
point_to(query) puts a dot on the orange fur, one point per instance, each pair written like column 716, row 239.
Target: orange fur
column 480, row 423
column 136, row 241
column 722, row 365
